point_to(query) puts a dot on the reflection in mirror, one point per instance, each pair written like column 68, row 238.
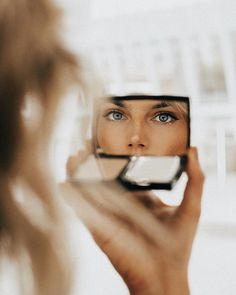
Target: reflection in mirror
column 142, row 125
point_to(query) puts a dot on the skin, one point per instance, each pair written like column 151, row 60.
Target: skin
column 143, row 127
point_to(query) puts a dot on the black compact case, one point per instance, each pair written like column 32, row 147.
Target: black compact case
column 148, row 172
column 137, row 180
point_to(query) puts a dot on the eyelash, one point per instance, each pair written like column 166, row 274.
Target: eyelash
column 173, row 118
column 114, row 112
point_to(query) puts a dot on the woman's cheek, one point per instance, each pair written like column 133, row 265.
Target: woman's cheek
column 168, row 141
column 111, row 140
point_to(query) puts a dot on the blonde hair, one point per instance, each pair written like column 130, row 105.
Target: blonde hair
column 34, row 66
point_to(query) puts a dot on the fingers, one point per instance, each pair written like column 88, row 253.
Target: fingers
column 81, row 156
column 89, row 146
column 149, row 200
column 191, row 204
column 71, row 165
column 154, row 205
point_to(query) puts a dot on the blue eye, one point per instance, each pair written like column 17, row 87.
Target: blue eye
column 164, row 118
column 115, row 116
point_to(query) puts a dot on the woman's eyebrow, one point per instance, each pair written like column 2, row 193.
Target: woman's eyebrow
column 115, row 102
column 156, row 106
column 161, row 105
column 118, row 103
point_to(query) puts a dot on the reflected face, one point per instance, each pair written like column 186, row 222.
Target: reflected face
column 142, row 127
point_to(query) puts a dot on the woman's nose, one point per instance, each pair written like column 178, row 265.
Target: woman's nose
column 135, row 140
column 138, row 142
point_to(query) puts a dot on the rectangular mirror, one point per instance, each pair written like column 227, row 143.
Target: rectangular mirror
column 139, row 140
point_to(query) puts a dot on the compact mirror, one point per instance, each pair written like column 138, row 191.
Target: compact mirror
column 151, row 132
column 140, row 140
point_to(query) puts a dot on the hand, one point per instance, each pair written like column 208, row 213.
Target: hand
column 74, row 161
column 148, row 242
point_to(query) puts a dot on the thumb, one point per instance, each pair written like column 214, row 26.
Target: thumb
column 191, row 204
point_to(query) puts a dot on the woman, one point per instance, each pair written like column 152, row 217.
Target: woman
column 150, row 253
column 142, row 125
column 35, row 69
